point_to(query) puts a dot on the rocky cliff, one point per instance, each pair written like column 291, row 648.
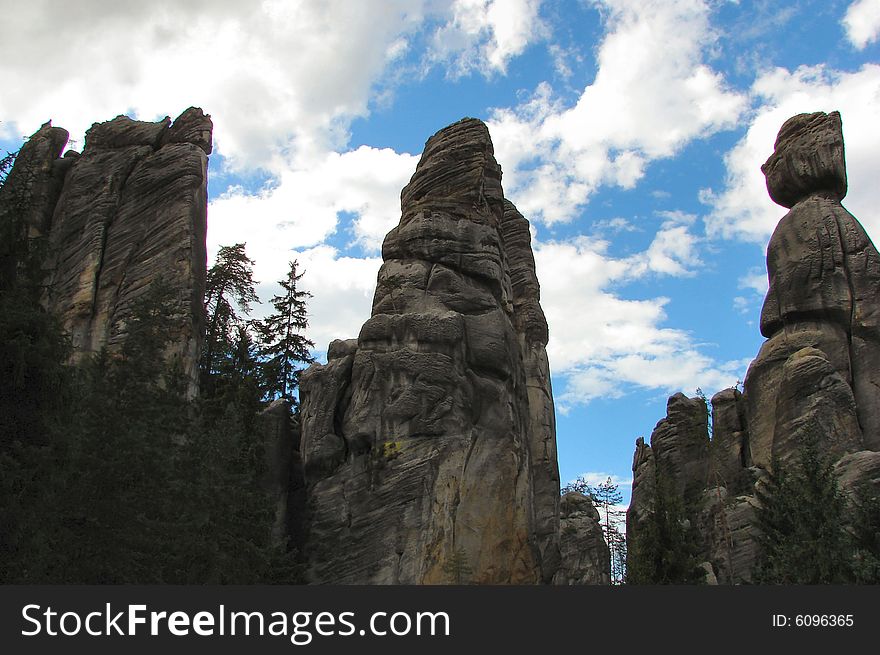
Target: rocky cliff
column 585, row 558
column 129, row 209
column 429, row 441
column 815, row 377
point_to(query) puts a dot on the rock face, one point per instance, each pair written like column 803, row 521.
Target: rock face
column 431, row 437
column 585, row 556
column 131, row 208
column 282, row 478
column 816, row 377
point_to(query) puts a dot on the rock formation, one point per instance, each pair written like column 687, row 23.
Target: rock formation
column 131, row 208
column 585, row 558
column 282, row 478
column 816, row 377
column 430, row 439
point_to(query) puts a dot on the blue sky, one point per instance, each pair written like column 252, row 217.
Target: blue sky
column 630, row 133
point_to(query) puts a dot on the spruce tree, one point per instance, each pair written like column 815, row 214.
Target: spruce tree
column 284, row 346
column 663, row 549
column 229, row 285
column 802, row 520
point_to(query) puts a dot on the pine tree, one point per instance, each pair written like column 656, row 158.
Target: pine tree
column 802, row 520
column 580, row 485
column 281, row 334
column 663, row 549
column 607, row 498
column 229, row 284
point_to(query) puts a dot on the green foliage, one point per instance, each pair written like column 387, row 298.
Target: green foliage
column 580, row 485
column 34, row 389
column 457, row 568
column 806, row 537
column 283, row 345
column 606, row 497
column 865, row 531
column 702, row 396
column 665, row 544
column 140, row 485
column 229, row 285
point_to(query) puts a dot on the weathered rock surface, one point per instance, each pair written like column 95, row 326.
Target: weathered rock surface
column 585, row 556
column 681, row 444
column 824, row 285
column 729, row 448
column 859, row 468
column 432, row 435
column 727, row 524
column 34, row 183
column 130, row 209
column 282, row 475
column 816, row 377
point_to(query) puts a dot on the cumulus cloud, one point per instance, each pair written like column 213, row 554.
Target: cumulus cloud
column 742, row 209
column 862, row 22
column 652, row 94
column 279, row 78
column 483, row 35
column 602, row 344
column 673, row 251
column 301, row 207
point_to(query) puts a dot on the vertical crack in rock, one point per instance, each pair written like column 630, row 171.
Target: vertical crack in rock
column 447, row 445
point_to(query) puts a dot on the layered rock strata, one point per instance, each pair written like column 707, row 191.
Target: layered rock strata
column 130, row 209
column 816, row 376
column 428, row 442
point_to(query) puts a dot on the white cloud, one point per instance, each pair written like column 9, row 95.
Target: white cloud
column 756, row 280
column 484, row 35
column 279, row 78
column 613, row 225
column 673, row 250
column 652, row 94
column 595, row 478
column 603, row 345
column 742, row 304
column 342, row 292
column 743, row 210
column 301, row 208
column 862, row 22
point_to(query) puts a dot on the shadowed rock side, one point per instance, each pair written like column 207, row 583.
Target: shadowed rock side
column 818, row 374
column 431, row 437
column 131, row 208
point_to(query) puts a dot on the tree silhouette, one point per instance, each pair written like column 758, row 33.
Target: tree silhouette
column 283, row 344
column 229, row 284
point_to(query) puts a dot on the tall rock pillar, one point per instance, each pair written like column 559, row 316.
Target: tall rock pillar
column 818, row 373
column 429, row 442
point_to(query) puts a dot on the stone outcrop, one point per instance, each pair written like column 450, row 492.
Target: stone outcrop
column 130, row 209
column 430, row 439
column 585, row 559
column 817, row 377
